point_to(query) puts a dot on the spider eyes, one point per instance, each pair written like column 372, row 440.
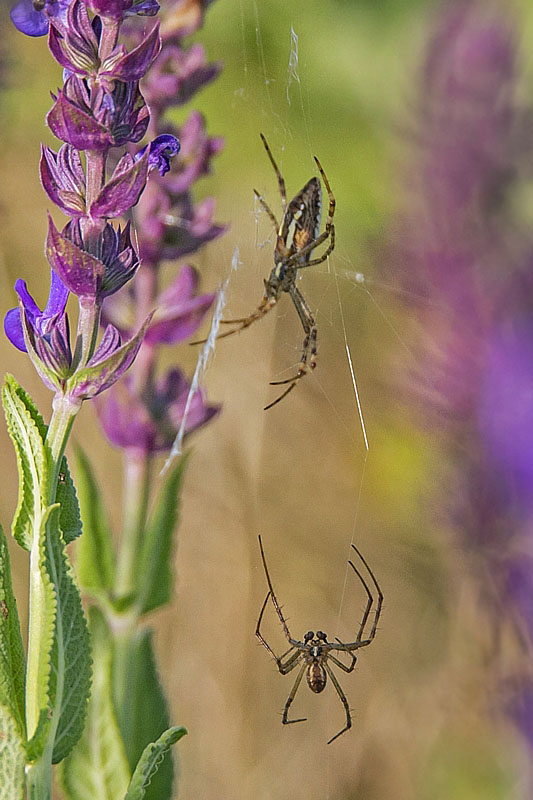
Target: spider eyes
column 311, row 635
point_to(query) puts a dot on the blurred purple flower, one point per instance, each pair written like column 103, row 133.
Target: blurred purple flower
column 177, row 75
column 150, row 423
column 180, row 310
column 465, row 252
column 197, row 150
column 506, row 407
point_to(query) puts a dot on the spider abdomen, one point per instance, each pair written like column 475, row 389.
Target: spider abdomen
column 316, row 677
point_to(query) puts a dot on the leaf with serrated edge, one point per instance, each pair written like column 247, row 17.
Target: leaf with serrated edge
column 70, row 677
column 12, row 662
column 97, row 767
column 12, row 758
column 149, row 762
column 32, row 461
column 154, row 570
column 95, row 558
column 69, row 515
column 142, row 715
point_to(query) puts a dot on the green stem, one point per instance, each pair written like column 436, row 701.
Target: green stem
column 39, row 780
column 137, row 480
column 88, row 324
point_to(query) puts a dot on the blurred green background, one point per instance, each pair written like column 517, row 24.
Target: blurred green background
column 426, row 724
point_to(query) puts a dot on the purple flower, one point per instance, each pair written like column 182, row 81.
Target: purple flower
column 107, row 365
column 117, row 9
column 177, row 75
column 63, row 179
column 40, row 322
column 32, row 17
column 151, row 423
column 96, row 267
column 97, row 119
column 162, row 149
column 197, row 150
column 506, row 406
column 179, row 310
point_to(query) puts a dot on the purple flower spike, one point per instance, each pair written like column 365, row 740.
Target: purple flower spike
column 151, row 424
column 28, row 20
column 180, row 310
column 92, row 270
column 39, row 321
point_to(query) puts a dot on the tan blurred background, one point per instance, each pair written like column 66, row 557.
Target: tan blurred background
column 299, row 474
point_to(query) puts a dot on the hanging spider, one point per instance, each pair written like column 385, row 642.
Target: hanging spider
column 313, row 655
column 296, row 238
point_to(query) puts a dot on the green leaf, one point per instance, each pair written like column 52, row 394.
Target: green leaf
column 149, row 762
column 141, row 707
column 32, row 461
column 154, row 567
column 69, row 515
column 12, row 661
column 95, row 558
column 12, row 757
column 98, row 767
column 70, row 677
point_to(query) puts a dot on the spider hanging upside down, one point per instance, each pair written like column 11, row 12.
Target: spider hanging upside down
column 313, row 654
column 296, row 238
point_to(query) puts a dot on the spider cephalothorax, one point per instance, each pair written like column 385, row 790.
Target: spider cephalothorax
column 296, row 238
column 314, row 653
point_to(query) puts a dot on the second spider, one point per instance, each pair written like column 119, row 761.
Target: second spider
column 296, row 238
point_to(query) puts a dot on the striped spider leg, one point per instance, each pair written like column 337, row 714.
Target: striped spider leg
column 314, row 655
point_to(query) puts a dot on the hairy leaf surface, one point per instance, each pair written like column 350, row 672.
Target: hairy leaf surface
column 98, row 767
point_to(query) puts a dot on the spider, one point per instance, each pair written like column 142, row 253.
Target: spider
column 296, row 238
column 313, row 654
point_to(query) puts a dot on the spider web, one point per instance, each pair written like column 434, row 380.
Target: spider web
column 340, row 275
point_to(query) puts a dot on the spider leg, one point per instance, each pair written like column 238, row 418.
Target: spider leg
column 266, row 305
column 290, row 698
column 359, row 641
column 281, row 181
column 379, row 603
column 339, row 663
column 292, row 642
column 268, row 210
column 343, row 700
column 309, row 345
column 332, row 203
column 296, row 258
